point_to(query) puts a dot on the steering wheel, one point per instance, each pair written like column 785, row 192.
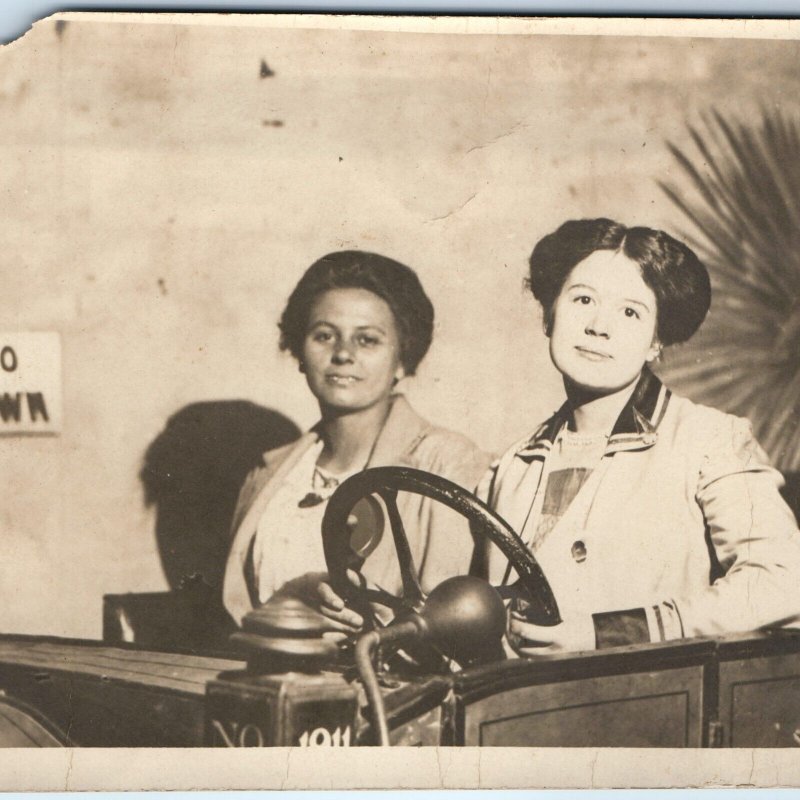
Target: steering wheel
column 346, row 547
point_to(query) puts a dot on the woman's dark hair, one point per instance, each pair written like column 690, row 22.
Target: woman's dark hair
column 390, row 280
column 675, row 274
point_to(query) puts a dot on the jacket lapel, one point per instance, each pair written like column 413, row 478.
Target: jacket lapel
column 636, row 426
column 401, row 433
column 277, row 464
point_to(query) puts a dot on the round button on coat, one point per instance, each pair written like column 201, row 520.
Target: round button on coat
column 579, row 551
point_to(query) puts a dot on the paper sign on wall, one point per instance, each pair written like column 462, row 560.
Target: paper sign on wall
column 30, row 383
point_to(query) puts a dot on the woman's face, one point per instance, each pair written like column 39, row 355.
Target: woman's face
column 351, row 351
column 604, row 323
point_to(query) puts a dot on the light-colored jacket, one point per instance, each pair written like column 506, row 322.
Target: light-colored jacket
column 439, row 539
column 682, row 524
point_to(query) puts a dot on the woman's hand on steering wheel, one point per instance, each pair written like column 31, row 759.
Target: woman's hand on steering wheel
column 334, row 608
column 572, row 633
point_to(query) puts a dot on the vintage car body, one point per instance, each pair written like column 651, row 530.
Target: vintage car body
column 739, row 691
column 168, row 673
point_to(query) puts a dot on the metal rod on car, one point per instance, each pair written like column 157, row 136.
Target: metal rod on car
column 364, row 651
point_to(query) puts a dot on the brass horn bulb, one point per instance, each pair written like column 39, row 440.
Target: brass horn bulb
column 465, row 618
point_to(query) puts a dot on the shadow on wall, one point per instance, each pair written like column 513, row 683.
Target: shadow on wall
column 192, row 473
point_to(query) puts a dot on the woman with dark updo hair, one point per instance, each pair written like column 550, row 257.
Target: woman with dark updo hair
column 653, row 518
column 358, row 323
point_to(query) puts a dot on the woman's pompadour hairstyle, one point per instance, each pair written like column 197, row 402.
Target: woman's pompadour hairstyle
column 673, row 272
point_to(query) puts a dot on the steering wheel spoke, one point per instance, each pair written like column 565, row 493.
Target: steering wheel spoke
column 412, row 590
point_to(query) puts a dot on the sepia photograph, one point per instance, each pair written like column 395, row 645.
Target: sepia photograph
column 400, row 382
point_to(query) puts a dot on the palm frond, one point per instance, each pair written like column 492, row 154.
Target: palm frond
column 741, row 195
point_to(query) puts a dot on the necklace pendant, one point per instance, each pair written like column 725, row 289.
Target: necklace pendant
column 310, row 500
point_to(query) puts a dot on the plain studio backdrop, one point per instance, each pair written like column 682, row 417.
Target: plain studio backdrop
column 164, row 185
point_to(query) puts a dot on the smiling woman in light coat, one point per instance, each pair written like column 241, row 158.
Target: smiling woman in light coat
column 653, row 518
column 357, row 323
